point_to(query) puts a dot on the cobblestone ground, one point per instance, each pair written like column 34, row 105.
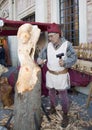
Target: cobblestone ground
column 80, row 117
column 5, row 114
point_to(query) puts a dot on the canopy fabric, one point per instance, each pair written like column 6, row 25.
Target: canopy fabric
column 11, row 27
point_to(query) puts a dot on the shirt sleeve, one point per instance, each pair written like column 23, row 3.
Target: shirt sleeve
column 71, row 56
column 42, row 55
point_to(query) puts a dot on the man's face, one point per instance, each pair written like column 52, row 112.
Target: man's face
column 53, row 37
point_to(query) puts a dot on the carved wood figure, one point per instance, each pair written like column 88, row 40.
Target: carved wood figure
column 27, row 90
column 27, row 38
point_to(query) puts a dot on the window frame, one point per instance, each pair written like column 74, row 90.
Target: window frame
column 71, row 25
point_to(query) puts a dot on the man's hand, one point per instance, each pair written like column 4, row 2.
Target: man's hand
column 41, row 61
column 61, row 62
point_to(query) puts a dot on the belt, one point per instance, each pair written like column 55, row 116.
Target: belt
column 58, row 72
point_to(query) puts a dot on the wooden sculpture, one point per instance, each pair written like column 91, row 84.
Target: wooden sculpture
column 27, row 38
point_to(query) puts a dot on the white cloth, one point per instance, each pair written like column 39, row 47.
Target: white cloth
column 61, row 81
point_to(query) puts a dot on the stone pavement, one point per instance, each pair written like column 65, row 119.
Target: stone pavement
column 80, row 116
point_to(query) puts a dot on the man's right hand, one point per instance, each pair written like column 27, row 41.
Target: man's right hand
column 41, row 61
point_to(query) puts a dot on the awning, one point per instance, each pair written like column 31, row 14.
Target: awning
column 10, row 27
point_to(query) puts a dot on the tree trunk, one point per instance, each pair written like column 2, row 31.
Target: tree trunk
column 27, row 107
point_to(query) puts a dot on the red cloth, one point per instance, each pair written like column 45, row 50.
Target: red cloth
column 44, row 90
column 13, row 77
column 79, row 79
column 16, row 24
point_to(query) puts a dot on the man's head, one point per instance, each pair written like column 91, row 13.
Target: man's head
column 54, row 33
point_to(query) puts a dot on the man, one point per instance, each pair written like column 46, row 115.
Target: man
column 2, row 54
column 57, row 76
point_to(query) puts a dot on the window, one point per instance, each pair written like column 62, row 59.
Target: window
column 69, row 17
column 30, row 18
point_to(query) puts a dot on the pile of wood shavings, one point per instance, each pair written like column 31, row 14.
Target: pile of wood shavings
column 5, row 115
column 77, row 116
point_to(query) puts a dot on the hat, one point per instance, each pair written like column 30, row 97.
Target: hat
column 54, row 28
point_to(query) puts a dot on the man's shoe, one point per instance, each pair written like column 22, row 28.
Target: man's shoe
column 65, row 121
column 52, row 110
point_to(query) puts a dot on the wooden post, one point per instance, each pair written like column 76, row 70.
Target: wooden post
column 27, row 104
column 89, row 95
